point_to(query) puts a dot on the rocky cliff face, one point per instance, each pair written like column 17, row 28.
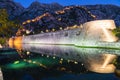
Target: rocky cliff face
column 105, row 12
column 37, row 9
column 55, row 15
column 14, row 9
column 67, row 17
column 74, row 15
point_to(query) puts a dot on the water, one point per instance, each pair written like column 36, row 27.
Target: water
column 58, row 62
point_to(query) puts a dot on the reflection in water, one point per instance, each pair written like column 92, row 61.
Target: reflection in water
column 1, row 77
column 58, row 62
column 117, row 64
column 117, row 72
column 33, row 64
column 96, row 60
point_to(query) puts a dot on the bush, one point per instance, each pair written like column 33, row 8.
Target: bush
column 116, row 32
column 2, row 41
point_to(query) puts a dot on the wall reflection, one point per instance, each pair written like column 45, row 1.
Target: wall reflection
column 96, row 60
column 117, row 64
column 1, row 77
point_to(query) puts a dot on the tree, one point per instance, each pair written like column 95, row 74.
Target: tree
column 7, row 27
column 116, row 32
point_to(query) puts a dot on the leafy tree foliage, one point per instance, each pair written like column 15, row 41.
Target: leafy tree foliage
column 117, row 32
column 7, row 27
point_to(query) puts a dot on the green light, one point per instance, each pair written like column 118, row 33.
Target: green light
column 16, row 65
column 16, row 62
column 34, row 62
column 19, row 65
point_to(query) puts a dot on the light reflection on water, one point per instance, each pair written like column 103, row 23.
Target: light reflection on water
column 1, row 78
column 96, row 60
column 59, row 62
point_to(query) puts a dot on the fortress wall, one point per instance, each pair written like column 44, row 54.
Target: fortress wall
column 90, row 34
column 97, row 32
column 59, row 37
column 101, row 28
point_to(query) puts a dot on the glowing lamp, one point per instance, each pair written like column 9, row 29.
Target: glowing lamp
column 28, row 21
column 24, row 23
column 47, row 30
column 53, row 29
column 33, row 20
column 60, row 28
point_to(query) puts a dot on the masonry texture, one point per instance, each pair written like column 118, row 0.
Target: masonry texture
column 93, row 33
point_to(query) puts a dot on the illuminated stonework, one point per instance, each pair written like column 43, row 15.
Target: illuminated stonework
column 100, row 29
column 94, row 33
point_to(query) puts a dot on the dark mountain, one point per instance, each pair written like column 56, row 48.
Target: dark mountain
column 13, row 9
column 16, row 11
column 69, row 16
column 39, row 16
column 73, row 15
column 37, row 9
column 105, row 12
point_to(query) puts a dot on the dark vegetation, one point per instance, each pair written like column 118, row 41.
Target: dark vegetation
column 7, row 27
column 116, row 32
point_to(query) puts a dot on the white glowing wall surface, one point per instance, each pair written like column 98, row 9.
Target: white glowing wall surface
column 93, row 33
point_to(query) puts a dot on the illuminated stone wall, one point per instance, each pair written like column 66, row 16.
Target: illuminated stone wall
column 98, row 31
column 90, row 34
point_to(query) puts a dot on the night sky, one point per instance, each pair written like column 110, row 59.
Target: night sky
column 26, row 3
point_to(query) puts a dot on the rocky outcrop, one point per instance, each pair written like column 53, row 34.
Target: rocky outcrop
column 67, row 17
column 18, row 12
column 37, row 9
column 13, row 9
column 74, row 15
column 70, row 16
column 105, row 12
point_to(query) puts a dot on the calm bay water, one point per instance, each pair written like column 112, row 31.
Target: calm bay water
column 58, row 62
